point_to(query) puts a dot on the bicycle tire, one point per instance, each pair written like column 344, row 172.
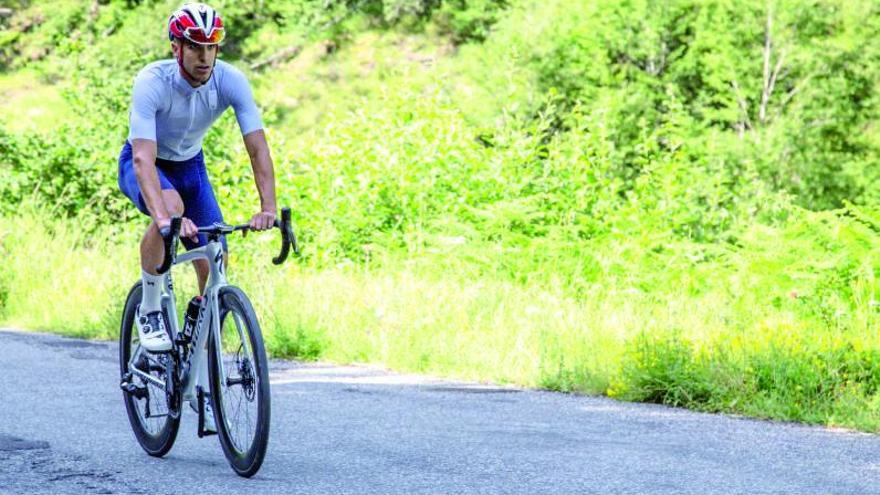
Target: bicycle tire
column 156, row 441
column 252, row 374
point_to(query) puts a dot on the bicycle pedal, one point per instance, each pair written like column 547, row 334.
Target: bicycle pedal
column 159, row 353
column 134, row 390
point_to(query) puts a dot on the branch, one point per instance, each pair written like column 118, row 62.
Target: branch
column 656, row 66
column 769, row 90
column 797, row 89
column 6, row 12
column 281, row 56
column 292, row 51
column 768, row 47
column 743, row 106
column 94, row 11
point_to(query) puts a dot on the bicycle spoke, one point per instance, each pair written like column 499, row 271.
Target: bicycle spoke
column 242, row 336
column 238, row 425
column 153, row 409
column 247, row 413
column 241, row 404
column 240, row 381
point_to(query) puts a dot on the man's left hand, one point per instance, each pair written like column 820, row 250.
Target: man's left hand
column 262, row 221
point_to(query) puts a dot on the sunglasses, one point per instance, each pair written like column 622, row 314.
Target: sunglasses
column 196, row 35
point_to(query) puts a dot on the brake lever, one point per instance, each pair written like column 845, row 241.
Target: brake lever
column 288, row 238
column 170, row 236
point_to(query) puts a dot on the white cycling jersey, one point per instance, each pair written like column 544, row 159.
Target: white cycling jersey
column 167, row 110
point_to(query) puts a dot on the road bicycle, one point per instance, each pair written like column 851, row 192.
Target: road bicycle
column 220, row 342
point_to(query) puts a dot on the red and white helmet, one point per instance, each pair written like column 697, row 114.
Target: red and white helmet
column 198, row 23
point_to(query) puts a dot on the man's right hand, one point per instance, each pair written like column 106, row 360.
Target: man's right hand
column 187, row 227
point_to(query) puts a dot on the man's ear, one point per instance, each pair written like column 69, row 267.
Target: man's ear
column 175, row 45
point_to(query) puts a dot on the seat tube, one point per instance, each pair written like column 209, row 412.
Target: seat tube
column 170, row 304
column 217, row 275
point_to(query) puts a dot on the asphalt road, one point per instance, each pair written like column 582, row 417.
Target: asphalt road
column 63, row 429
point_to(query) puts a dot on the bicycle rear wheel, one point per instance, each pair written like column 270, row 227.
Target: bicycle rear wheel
column 146, row 403
column 240, row 384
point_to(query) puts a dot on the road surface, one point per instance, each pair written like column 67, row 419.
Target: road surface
column 358, row 430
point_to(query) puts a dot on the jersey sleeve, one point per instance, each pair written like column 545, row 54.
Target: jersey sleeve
column 241, row 99
column 145, row 101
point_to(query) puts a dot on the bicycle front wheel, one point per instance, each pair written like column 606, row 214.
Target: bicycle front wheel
column 154, row 419
column 240, row 383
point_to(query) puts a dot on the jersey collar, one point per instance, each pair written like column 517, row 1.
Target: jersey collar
column 184, row 88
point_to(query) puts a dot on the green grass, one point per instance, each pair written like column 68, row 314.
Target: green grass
column 28, row 103
column 731, row 334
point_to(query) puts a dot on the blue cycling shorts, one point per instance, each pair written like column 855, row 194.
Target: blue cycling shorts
column 189, row 178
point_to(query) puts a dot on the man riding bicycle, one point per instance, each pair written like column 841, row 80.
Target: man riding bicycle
column 162, row 167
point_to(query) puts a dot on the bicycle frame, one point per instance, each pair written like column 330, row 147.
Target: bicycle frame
column 196, row 369
column 208, row 321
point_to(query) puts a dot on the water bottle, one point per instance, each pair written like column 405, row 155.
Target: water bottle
column 192, row 315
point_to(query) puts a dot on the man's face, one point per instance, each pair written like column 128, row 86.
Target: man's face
column 198, row 60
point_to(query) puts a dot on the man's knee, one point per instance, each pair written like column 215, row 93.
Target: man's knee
column 173, row 202
column 174, row 207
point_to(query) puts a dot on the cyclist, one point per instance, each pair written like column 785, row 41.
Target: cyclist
column 162, row 166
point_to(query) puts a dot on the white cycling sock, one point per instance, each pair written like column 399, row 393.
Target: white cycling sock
column 151, row 298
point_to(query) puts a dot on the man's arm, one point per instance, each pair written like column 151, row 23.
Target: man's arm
column 144, row 157
column 264, row 176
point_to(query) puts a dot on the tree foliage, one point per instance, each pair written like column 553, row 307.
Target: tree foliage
column 705, row 114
